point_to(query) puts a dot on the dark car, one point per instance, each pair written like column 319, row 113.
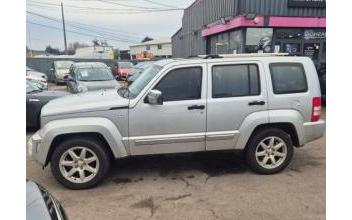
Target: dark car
column 36, row 98
column 41, row 205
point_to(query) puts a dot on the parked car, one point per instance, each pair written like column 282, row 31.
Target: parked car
column 41, row 205
column 262, row 104
column 322, row 80
column 137, row 70
column 38, row 81
column 36, row 98
column 30, row 71
column 60, row 69
column 88, row 76
column 122, row 69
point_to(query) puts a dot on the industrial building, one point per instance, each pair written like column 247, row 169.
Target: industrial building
column 296, row 27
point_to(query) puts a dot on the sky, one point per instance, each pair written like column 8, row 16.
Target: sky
column 120, row 22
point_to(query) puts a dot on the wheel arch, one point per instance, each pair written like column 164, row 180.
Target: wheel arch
column 287, row 127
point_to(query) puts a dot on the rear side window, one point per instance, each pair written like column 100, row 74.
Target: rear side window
column 235, row 80
column 288, row 78
column 181, row 84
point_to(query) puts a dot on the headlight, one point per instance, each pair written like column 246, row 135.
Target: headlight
column 82, row 88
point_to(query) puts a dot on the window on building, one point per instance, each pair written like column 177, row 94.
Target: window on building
column 258, row 39
column 311, row 50
column 160, row 46
column 235, row 80
column 181, row 84
column 288, row 78
column 148, row 47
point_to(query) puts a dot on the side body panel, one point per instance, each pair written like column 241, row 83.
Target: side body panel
column 170, row 127
column 229, row 119
column 102, row 126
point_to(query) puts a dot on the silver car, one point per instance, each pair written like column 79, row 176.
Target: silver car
column 262, row 104
column 60, row 70
column 88, row 76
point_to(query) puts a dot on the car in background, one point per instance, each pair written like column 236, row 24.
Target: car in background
column 38, row 81
column 36, row 98
column 60, row 69
column 88, row 76
column 122, row 69
column 137, row 70
column 41, row 205
column 32, row 72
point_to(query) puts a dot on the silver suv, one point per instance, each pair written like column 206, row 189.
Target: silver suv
column 262, row 104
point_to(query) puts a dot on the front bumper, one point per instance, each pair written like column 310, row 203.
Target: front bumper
column 313, row 130
column 33, row 146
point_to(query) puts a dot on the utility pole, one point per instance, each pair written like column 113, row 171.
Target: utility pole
column 63, row 26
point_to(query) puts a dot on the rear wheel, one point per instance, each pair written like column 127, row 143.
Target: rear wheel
column 80, row 163
column 269, row 151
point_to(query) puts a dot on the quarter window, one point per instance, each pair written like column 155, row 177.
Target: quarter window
column 288, row 78
column 181, row 84
column 235, row 80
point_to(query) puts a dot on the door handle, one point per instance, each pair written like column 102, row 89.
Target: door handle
column 192, row 107
column 256, row 103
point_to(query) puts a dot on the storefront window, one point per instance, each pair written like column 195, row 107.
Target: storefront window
column 311, row 50
column 292, row 34
column 258, row 39
column 324, row 51
column 291, row 48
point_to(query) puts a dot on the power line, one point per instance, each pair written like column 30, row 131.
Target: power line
column 101, row 33
column 75, row 32
column 161, row 4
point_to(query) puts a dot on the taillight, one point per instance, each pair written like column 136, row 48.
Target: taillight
column 316, row 109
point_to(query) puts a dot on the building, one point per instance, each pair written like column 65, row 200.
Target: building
column 246, row 26
column 95, row 52
column 160, row 48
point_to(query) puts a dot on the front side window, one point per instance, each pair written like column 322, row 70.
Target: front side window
column 288, row 78
column 235, row 80
column 181, row 84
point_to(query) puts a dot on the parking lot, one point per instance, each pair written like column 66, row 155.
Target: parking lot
column 212, row 185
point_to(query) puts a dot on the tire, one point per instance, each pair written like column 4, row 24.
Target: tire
column 94, row 149
column 259, row 157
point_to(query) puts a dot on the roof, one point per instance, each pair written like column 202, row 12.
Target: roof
column 89, row 64
column 243, row 57
column 164, row 40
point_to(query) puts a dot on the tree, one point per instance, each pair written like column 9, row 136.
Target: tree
column 146, row 39
column 53, row 51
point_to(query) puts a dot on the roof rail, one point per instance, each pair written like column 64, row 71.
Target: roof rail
column 214, row 56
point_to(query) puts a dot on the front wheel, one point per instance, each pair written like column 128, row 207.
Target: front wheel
column 80, row 162
column 269, row 151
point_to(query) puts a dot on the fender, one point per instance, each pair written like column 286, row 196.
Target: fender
column 256, row 119
column 103, row 126
column 248, row 125
column 289, row 116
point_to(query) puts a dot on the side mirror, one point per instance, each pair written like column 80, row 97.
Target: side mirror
column 155, row 97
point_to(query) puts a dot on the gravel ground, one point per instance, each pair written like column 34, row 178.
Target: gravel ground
column 203, row 186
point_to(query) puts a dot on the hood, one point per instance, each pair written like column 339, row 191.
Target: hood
column 83, row 102
column 62, row 71
column 52, row 94
column 96, row 85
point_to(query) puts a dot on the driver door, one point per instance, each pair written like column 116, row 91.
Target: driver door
column 179, row 124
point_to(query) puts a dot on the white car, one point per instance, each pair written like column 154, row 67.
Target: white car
column 30, row 71
column 38, row 80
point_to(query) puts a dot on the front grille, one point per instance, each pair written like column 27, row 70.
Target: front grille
column 50, row 203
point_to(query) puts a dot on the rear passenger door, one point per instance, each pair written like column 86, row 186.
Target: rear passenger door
column 236, row 90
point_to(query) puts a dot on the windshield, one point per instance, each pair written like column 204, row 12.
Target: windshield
column 30, row 87
column 146, row 76
column 63, row 64
column 125, row 65
column 94, row 74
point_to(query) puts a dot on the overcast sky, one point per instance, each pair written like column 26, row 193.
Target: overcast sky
column 120, row 22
